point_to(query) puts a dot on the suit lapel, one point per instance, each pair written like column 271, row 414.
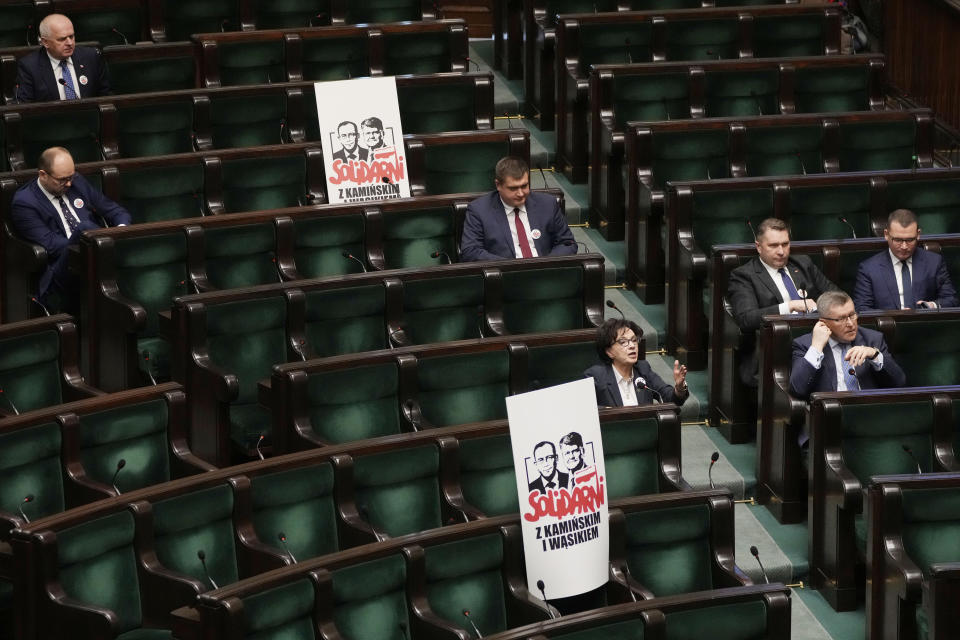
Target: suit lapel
column 502, row 223
column 46, row 74
column 610, row 381
column 830, row 368
column 533, row 218
column 766, row 279
column 890, row 279
column 80, row 69
column 53, row 216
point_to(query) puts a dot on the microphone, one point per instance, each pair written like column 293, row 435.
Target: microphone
column 666, row 110
column 852, row 230
column 350, row 256
column 803, row 296
column 203, row 561
column 121, row 463
column 320, row 18
column 803, row 166
column 752, row 230
column 9, row 402
column 853, row 372
column 283, row 541
column 366, row 516
column 756, row 554
column 224, row 24
column 259, row 440
column 626, row 42
column 470, row 61
column 713, row 460
column 543, row 176
column 41, row 305
column 441, row 254
column 912, row 457
column 298, row 347
column 146, row 358
column 641, row 383
column 409, row 412
column 541, row 586
column 613, row 306
column 466, row 614
column 27, row 499
column 506, row 114
column 119, row 33
column 756, row 101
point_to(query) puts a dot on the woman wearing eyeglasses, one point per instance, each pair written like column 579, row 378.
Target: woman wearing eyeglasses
column 623, row 379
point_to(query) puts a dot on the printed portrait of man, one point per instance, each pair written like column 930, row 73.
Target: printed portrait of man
column 573, row 455
column 350, row 143
column 545, row 460
column 371, row 131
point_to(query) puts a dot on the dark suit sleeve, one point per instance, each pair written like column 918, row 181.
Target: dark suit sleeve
column 803, row 375
column 863, row 290
column 603, row 397
column 890, row 375
column 26, row 81
column 29, row 223
column 655, row 382
column 563, row 242
column 472, row 246
column 946, row 294
column 103, row 206
column 743, row 300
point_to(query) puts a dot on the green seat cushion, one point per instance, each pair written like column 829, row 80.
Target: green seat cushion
column 240, row 255
column 487, row 476
column 146, row 634
column 688, row 156
column 934, row 201
column 815, row 211
column 15, row 19
column 410, row 237
column 719, row 216
column 399, row 490
column 249, row 421
column 369, row 599
column 874, row 437
column 736, row 621
column 354, row 404
column 419, row 53
column 30, row 370
column 668, row 550
column 152, row 270
column 98, row 25
column 786, row 36
column 932, row 358
column 168, row 73
column 271, row 182
column 434, row 109
column 383, row 11
column 446, row 171
column 284, row 14
column 319, row 244
column 443, row 309
column 540, row 300
column 247, row 121
column 30, row 465
column 281, row 613
column 79, row 134
column 210, row 16
column 552, row 365
column 159, row 128
column 457, row 389
column 162, row 193
column 154, row 357
column 467, row 575
column 298, row 503
column 931, row 521
column 347, row 320
column 626, row 630
column 784, row 150
column 701, row 39
column 251, row 63
column 657, row 96
column 869, row 146
column 631, row 456
column 739, row 93
column 331, row 59
column 823, row 89
column 613, row 43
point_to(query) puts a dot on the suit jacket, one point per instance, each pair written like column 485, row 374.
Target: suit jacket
column 37, row 220
column 804, row 379
column 608, row 393
column 876, row 286
column 37, row 83
column 562, row 483
column 487, row 236
column 342, row 154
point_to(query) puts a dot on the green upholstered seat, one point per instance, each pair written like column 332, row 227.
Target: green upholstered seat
column 443, row 309
column 259, row 62
column 874, row 437
column 240, row 255
column 434, row 109
column 247, row 121
column 30, row 464
column 655, row 96
column 30, row 370
column 632, row 458
column 16, row 20
column 466, row 574
column 668, row 550
column 788, row 35
column 166, row 73
column 539, row 300
column 649, row 5
column 815, row 211
column 136, row 433
column 610, row 44
column 319, row 243
column 625, row 630
column 299, row 503
column 79, row 134
column 267, row 182
column 735, row 621
column 354, row 404
column 487, row 476
column 162, row 192
column 448, row 170
column 931, row 523
column 411, row 237
column 281, row 613
column 399, row 490
column 369, row 599
column 784, row 150
column 457, row 389
column 849, row 264
column 866, row 146
column 927, row 352
column 701, row 39
column 551, row 365
column 740, row 93
column 146, row 634
column 347, row 320
column 689, row 156
column 382, row 11
column 205, row 16
column 416, row 52
column 162, row 127
column 826, row 89
column 719, row 217
column 288, row 14
column 246, row 338
column 935, row 202
column 332, row 59
column 201, row 520
column 98, row 25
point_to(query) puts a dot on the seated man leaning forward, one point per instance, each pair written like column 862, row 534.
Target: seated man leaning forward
column 838, row 355
column 512, row 222
column 623, row 380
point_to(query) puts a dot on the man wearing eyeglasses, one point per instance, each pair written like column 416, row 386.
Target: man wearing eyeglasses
column 838, row 355
column 905, row 276
column 52, row 210
column 545, row 459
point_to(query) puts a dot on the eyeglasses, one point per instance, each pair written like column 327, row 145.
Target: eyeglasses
column 904, row 240
column 545, row 459
column 62, row 181
column 628, row 342
column 848, row 318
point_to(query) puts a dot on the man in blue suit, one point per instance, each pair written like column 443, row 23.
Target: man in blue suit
column 839, row 355
column 512, row 222
column 52, row 210
column 883, row 283
column 60, row 70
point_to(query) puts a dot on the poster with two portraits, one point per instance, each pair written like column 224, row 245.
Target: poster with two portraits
column 362, row 140
column 558, row 460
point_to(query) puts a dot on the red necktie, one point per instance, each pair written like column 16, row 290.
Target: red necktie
column 521, row 234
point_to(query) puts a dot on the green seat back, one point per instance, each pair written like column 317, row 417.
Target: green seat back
column 162, row 193
column 399, row 490
column 332, row 59
column 416, row 52
column 735, row 621
column 466, row 574
column 784, row 150
column 241, row 255
column 659, row 96
column 369, row 599
column 98, row 25
column 319, row 243
column 866, row 146
column 182, row 19
column 347, row 320
column 693, row 155
column 255, row 184
column 247, row 121
column 355, row 404
column 931, row 523
column 719, row 217
column 815, row 211
column 632, row 457
column 16, row 19
column 443, row 309
column 30, row 465
column 936, row 203
column 163, row 73
column 826, row 89
column 788, row 35
column 364, row 11
column 201, row 520
column 649, row 5
column 30, row 370
column 299, row 504
column 849, row 265
column 136, row 433
column 556, row 364
column 159, row 128
column 742, row 93
column 702, row 39
column 288, row 14
column 281, row 613
column 461, row 167
column 457, row 389
column 79, row 134
column 874, row 437
column 437, row 108
column 625, row 630
column 668, row 549
column 927, row 352
column 251, row 62
column 98, row 566
column 539, row 300
column 614, row 44
column 487, row 475
column 411, row 236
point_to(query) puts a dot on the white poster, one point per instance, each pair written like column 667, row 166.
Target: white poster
column 363, row 150
column 558, row 457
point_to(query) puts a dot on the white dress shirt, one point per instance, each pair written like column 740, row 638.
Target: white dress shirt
column 897, row 270
column 815, row 358
column 58, row 76
column 513, row 229
column 628, row 393
column 56, row 207
column 784, row 307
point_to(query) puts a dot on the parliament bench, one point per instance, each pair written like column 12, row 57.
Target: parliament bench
column 709, row 149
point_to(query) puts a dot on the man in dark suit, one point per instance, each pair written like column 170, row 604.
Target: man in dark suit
column 884, row 284
column 52, row 210
column 773, row 283
column 840, row 356
column 350, row 143
column 545, row 459
column 622, row 379
column 60, row 70
column 512, row 222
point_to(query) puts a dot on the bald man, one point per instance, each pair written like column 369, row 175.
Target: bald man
column 52, row 210
column 60, row 70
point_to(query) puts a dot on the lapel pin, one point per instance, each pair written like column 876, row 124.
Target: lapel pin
column 78, row 204
column 83, row 80
column 535, row 234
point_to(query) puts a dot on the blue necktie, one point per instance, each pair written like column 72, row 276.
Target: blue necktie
column 788, row 283
column 69, row 92
column 848, row 379
column 908, row 301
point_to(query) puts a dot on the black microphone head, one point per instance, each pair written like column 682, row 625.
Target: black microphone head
column 540, row 585
column 201, row 555
column 907, row 449
column 611, row 305
column 435, row 254
column 121, row 463
column 715, row 456
column 852, row 371
column 282, row 536
column 28, row 498
column 754, row 551
column 466, row 612
column 346, row 254
column 62, row 81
